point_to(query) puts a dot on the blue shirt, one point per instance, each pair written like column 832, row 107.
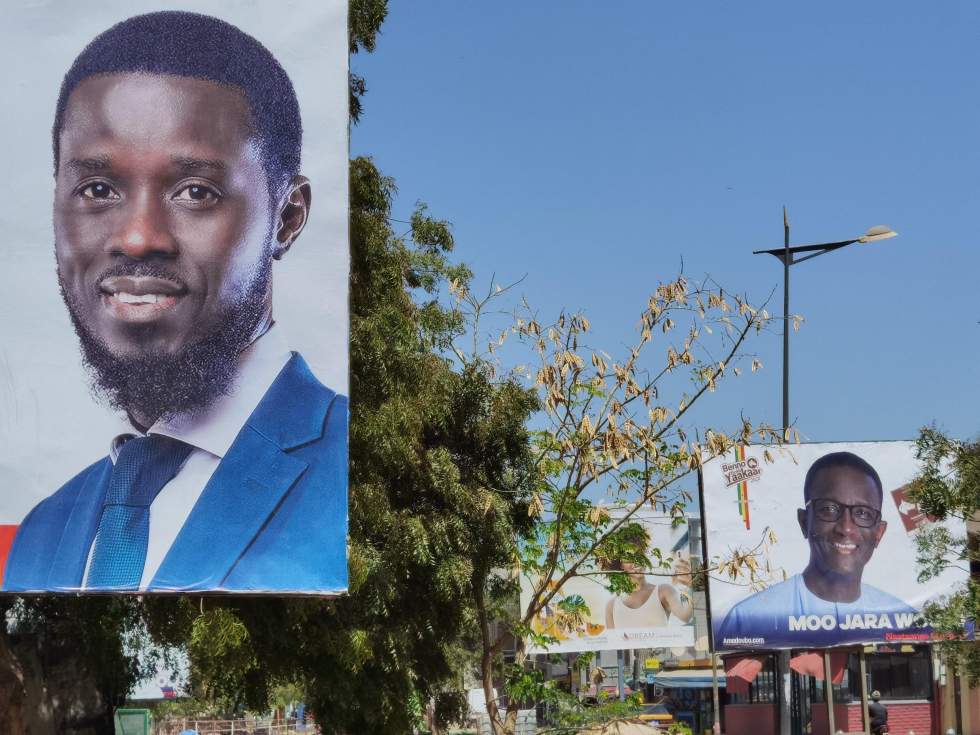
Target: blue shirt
column 788, row 614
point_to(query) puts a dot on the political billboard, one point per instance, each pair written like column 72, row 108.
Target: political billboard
column 824, row 534
column 173, row 411
column 658, row 613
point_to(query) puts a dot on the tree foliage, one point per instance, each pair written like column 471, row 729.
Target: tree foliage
column 615, row 436
column 364, row 19
column 66, row 663
column 948, row 487
column 438, row 480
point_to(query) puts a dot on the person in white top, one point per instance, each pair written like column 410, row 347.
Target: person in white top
column 649, row 605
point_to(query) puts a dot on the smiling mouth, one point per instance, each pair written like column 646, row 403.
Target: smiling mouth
column 133, row 298
column 139, row 299
column 844, row 548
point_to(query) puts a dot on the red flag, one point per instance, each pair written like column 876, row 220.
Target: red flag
column 741, row 671
column 811, row 664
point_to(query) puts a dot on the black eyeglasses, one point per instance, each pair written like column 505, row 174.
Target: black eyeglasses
column 830, row 511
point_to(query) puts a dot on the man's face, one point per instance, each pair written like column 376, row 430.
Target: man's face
column 161, row 213
column 841, row 547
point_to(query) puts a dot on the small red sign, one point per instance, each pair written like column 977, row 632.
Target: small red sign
column 7, row 534
column 912, row 516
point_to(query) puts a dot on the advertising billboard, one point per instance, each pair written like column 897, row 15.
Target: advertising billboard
column 658, row 613
column 829, row 534
column 173, row 411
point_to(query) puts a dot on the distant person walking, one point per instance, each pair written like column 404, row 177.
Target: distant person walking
column 879, row 715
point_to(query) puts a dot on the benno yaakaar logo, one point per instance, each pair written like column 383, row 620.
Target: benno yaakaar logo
column 739, row 474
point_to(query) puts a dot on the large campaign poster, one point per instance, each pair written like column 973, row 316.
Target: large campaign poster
column 173, row 370
column 658, row 613
column 825, row 535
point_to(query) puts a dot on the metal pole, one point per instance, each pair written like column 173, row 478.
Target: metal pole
column 714, row 694
column 864, row 692
column 712, row 643
column 828, row 688
column 786, row 264
column 636, row 669
column 786, row 698
column 785, row 701
column 619, row 666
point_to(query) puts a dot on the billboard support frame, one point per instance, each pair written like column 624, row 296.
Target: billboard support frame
column 865, row 714
column 715, row 697
column 829, row 692
column 620, row 665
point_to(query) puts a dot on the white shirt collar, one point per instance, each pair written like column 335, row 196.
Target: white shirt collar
column 216, row 429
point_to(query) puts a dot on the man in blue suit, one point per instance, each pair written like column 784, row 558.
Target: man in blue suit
column 177, row 145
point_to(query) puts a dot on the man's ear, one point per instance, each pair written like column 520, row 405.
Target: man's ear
column 294, row 211
column 880, row 531
column 801, row 519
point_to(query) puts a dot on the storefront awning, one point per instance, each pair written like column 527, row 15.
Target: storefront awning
column 686, row 679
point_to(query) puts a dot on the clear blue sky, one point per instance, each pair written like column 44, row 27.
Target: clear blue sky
column 592, row 145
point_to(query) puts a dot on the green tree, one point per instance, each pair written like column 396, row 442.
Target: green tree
column 364, row 19
column 948, row 487
column 614, row 436
column 66, row 663
column 438, row 485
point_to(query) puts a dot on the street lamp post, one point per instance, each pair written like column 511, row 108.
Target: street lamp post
column 790, row 256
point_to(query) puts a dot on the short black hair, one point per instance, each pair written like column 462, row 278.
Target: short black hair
column 841, row 459
column 185, row 44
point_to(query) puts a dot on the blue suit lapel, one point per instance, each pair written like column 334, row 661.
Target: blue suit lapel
column 249, row 484
column 68, row 563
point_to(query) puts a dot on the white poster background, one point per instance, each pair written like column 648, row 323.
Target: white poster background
column 595, row 636
column 50, row 427
column 774, row 495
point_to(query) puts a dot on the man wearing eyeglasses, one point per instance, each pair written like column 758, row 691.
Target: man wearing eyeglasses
column 827, row 603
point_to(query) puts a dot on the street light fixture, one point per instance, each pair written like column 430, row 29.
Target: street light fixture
column 788, row 256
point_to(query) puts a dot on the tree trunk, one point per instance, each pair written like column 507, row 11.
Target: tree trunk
column 48, row 697
column 12, row 692
column 498, row 725
column 510, row 724
column 493, row 712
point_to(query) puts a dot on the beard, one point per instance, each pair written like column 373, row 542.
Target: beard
column 156, row 384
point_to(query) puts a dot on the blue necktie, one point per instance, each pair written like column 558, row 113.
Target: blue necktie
column 144, row 465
